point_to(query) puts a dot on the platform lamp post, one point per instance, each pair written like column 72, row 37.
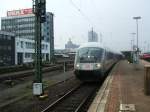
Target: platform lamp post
column 144, row 46
column 132, row 44
column 39, row 10
column 133, row 35
column 133, row 54
column 137, row 51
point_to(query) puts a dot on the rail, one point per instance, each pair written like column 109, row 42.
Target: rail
column 72, row 100
column 22, row 74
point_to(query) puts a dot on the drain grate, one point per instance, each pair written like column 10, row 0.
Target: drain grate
column 127, row 107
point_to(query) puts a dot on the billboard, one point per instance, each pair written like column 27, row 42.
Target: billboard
column 19, row 12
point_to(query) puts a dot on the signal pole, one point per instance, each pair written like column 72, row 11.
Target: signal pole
column 39, row 9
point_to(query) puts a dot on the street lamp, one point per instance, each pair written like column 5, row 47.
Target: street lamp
column 137, row 18
column 132, row 47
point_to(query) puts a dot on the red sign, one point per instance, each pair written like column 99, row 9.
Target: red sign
column 19, row 12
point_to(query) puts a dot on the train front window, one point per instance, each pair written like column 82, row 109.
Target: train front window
column 90, row 55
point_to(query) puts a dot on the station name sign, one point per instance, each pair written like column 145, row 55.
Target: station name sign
column 19, row 12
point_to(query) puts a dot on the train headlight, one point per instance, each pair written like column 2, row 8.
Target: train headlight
column 77, row 65
column 98, row 65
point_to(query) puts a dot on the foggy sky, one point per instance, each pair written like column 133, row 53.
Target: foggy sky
column 112, row 18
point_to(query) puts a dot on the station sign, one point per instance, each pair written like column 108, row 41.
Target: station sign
column 19, row 12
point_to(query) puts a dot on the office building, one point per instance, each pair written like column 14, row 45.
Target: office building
column 92, row 36
column 7, row 48
column 71, row 45
column 22, row 23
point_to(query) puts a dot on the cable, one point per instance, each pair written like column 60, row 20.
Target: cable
column 86, row 17
column 81, row 12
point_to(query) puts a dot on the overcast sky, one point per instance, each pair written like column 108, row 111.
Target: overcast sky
column 112, row 18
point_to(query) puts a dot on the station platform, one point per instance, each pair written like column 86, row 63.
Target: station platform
column 123, row 90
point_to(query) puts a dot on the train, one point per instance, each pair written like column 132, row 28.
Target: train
column 145, row 56
column 93, row 60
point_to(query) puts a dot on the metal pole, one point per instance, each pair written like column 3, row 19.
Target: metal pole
column 144, row 46
column 148, row 47
column 137, row 35
column 38, row 50
column 52, row 42
column 133, row 37
column 131, row 52
column 39, row 11
column 137, row 52
column 37, row 85
column 131, row 45
column 137, row 42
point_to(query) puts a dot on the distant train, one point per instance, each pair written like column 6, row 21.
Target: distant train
column 145, row 56
column 92, row 61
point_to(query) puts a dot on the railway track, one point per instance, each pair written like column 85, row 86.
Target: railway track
column 27, row 73
column 73, row 100
column 10, row 105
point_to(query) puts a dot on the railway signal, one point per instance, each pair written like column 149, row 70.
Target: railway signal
column 39, row 9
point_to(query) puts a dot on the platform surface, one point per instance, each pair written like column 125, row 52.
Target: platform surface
column 123, row 90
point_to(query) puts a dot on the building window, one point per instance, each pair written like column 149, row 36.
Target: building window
column 46, row 46
column 9, row 48
column 30, row 45
column 17, row 43
column 21, row 44
column 8, row 37
column 29, row 55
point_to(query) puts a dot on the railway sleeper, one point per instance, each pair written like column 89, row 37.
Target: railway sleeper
column 9, row 82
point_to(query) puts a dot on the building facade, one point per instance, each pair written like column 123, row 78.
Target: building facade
column 7, row 48
column 48, row 32
column 22, row 23
column 92, row 36
column 71, row 45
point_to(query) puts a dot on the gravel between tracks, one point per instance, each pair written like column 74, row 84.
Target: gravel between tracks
column 26, row 90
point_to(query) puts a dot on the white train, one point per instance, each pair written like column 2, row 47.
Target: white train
column 93, row 60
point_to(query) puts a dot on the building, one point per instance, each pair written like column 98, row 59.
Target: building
column 48, row 29
column 70, row 45
column 22, row 23
column 7, row 48
column 92, row 36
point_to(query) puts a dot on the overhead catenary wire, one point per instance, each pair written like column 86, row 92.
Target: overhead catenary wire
column 86, row 17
